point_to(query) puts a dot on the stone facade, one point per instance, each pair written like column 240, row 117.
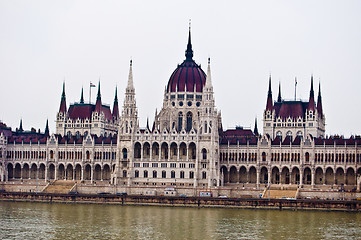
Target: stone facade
column 186, row 145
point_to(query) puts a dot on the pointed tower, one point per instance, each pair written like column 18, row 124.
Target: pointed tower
column 98, row 104
column 115, row 112
column 319, row 102
column 269, row 113
column 62, row 108
column 82, row 96
column 255, row 131
column 269, row 104
column 279, row 99
column 47, row 128
column 311, row 101
column 61, row 115
column 21, row 126
column 129, row 118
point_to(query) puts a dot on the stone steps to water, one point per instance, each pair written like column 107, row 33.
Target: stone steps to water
column 59, row 186
column 277, row 194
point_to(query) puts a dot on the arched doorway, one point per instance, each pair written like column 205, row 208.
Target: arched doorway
column 295, row 176
column 243, row 175
column 319, row 176
column 340, row 176
column 106, row 172
column 51, row 172
column 275, row 179
column 252, row 175
column 264, row 175
column 330, row 176
column 285, row 176
column 233, row 178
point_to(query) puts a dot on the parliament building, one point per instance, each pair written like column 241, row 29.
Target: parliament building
column 186, row 145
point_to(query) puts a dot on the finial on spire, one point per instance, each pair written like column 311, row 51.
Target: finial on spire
column 255, row 127
column 311, row 91
column 21, row 125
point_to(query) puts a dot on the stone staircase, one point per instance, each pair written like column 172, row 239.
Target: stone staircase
column 278, row 194
column 59, row 186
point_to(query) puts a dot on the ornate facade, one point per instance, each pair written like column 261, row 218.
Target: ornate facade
column 186, row 145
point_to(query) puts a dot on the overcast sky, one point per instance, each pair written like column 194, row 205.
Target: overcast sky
column 44, row 42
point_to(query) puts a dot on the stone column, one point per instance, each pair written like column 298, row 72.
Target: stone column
column 92, row 173
column 82, row 173
column 178, row 150
column 313, row 178
column 257, row 180
column 46, row 174
column 301, row 177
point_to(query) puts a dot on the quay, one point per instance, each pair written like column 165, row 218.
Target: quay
column 179, row 201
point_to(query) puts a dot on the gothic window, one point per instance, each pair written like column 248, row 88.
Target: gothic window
column 136, row 174
column 180, row 121
column 191, row 174
column 125, row 153
column 204, row 175
column 205, row 127
column 307, row 156
column 154, row 174
column 164, row 174
column 189, row 121
column 145, row 173
column 181, row 174
column 172, row 174
column 204, row 153
column 124, row 173
column 279, row 134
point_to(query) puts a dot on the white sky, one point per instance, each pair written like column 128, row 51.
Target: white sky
column 43, row 42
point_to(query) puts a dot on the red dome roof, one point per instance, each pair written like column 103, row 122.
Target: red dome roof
column 188, row 76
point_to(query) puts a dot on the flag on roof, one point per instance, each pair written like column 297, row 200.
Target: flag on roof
column 92, row 84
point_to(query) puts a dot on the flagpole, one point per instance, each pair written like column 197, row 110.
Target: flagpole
column 90, row 92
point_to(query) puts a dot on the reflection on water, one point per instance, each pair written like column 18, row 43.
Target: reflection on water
column 82, row 221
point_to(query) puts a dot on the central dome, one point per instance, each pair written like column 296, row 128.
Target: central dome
column 189, row 76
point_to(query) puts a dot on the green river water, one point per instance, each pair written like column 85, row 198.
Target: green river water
column 92, row 221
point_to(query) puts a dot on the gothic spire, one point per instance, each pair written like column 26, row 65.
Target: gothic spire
column 21, row 126
column 279, row 99
column 209, row 78
column 269, row 105
column 98, row 104
column 319, row 101
column 189, row 51
column 255, row 131
column 47, row 128
column 115, row 105
column 82, row 96
column 311, row 101
column 63, row 101
column 130, row 77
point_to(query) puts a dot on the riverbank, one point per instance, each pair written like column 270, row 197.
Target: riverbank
column 176, row 201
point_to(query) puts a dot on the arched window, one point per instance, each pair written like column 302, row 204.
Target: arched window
column 136, row 174
column 307, row 157
column 172, row 174
column 154, row 174
column 145, row 173
column 124, row 173
column 204, row 175
column 164, row 174
column 205, row 127
column 189, row 121
column 264, row 156
column 181, row 174
column 180, row 121
column 191, row 174
column 204, row 153
column 125, row 153
column 51, row 154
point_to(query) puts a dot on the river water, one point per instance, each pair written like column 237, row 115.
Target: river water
column 91, row 221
